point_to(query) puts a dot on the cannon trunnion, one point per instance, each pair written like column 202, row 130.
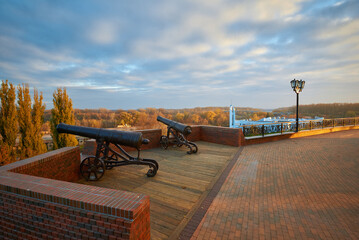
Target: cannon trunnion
column 93, row 167
column 176, row 135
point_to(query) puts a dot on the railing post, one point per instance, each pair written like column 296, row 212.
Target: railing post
column 310, row 122
column 263, row 130
column 333, row 123
column 343, row 122
column 323, row 124
column 281, row 128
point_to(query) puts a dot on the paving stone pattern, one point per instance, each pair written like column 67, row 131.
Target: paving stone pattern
column 304, row 188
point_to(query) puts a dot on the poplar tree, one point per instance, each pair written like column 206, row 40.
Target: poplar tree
column 8, row 123
column 38, row 109
column 62, row 113
column 25, row 121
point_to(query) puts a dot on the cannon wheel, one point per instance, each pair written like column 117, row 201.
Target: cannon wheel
column 92, row 168
column 152, row 171
column 164, row 142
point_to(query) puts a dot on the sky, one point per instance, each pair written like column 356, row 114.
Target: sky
column 184, row 53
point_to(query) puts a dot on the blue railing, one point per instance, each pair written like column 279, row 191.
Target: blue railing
column 284, row 127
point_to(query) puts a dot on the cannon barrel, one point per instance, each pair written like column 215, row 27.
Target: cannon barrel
column 184, row 129
column 130, row 139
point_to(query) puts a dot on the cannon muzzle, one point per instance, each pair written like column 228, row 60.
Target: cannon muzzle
column 184, row 129
column 125, row 138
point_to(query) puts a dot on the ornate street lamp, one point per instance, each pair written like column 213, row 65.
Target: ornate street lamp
column 297, row 86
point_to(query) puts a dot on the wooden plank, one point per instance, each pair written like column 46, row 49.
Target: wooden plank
column 189, row 183
column 163, row 227
column 171, row 201
column 162, row 208
column 182, row 180
column 157, row 235
column 190, row 172
column 174, row 191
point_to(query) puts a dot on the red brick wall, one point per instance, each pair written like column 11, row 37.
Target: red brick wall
column 89, row 147
column 154, row 135
column 62, row 164
column 27, row 218
column 215, row 134
column 222, row 135
column 38, row 207
column 196, row 134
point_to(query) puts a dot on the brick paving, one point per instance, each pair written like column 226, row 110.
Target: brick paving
column 196, row 219
column 304, row 188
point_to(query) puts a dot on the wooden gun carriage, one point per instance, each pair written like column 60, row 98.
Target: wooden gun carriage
column 176, row 134
column 93, row 167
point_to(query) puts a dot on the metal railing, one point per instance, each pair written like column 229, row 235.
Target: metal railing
column 284, row 127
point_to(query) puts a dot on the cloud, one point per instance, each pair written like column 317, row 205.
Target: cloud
column 103, row 32
column 152, row 53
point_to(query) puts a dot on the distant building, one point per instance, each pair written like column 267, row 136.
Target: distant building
column 50, row 145
column 233, row 123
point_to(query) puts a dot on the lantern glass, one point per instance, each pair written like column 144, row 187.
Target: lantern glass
column 292, row 83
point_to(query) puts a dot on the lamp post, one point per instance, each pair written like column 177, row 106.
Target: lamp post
column 297, row 86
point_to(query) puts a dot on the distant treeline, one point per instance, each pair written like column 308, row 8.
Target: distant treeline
column 146, row 118
column 326, row 110
column 216, row 116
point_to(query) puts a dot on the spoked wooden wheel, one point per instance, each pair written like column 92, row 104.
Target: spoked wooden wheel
column 92, row 168
column 164, row 142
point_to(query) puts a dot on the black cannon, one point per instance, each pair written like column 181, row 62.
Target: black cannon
column 176, row 134
column 93, row 167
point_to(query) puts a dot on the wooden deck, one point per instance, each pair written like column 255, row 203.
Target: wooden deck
column 179, row 187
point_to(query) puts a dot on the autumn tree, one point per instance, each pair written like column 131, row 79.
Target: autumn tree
column 6, row 154
column 209, row 116
column 38, row 109
column 25, row 121
column 30, row 119
column 62, row 113
column 125, row 118
column 8, row 123
column 179, row 117
column 195, row 118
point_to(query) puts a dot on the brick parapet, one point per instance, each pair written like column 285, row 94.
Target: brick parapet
column 62, row 164
column 119, row 214
column 214, row 134
column 222, row 135
column 154, row 135
column 196, row 133
column 25, row 217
